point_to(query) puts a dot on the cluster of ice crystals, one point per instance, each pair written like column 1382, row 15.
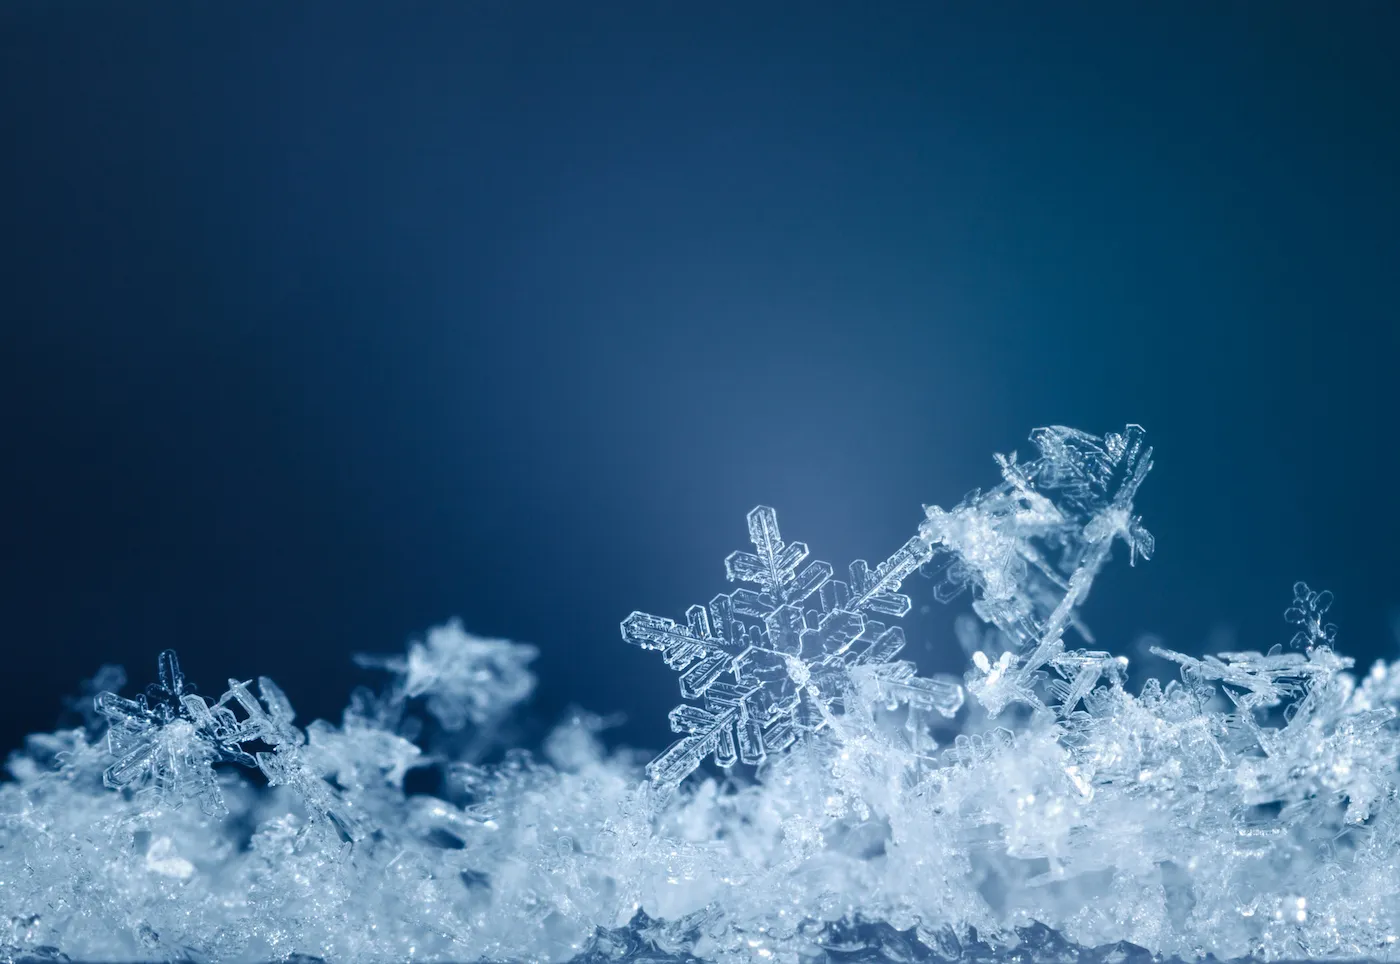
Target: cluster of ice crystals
column 1030, row 549
column 167, row 740
column 1051, row 808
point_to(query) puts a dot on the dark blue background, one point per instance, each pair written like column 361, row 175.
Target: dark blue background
column 323, row 322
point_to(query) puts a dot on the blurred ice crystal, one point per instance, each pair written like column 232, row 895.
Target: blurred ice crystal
column 465, row 678
column 1249, row 807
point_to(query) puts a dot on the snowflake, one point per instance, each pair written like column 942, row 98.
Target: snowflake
column 774, row 661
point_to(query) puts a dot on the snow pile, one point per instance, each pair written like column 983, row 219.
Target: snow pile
column 1041, row 803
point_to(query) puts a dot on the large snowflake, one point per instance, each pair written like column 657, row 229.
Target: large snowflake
column 768, row 663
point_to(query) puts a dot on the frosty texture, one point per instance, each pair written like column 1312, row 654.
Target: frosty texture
column 1050, row 807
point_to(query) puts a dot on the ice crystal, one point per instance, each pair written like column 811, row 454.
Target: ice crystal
column 1030, row 549
column 1306, row 612
column 465, row 679
column 1053, row 809
column 771, row 663
column 167, row 740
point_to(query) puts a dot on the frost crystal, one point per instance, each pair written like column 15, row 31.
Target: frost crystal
column 774, row 662
column 1249, row 807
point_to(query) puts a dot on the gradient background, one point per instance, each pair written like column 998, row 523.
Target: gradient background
column 323, row 322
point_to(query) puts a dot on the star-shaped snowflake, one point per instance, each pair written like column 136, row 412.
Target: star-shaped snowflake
column 767, row 663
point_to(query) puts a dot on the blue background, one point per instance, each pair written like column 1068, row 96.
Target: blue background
column 324, row 322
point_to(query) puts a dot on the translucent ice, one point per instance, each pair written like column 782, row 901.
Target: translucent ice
column 1046, row 806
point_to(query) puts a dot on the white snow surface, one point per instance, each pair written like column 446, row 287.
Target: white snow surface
column 822, row 800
